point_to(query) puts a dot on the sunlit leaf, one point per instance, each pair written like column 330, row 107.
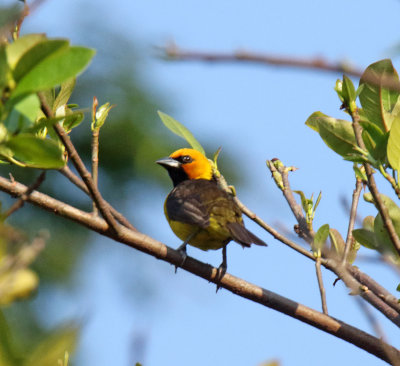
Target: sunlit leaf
column 180, row 130
column 376, row 98
column 64, row 94
column 23, row 114
column 321, row 236
column 336, row 133
column 52, row 69
column 393, row 145
column 348, row 90
column 337, row 241
column 35, row 152
column 37, row 54
column 368, row 223
column 21, row 46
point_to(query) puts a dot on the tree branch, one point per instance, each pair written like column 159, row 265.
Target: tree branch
column 251, row 215
column 280, row 174
column 231, row 283
column 18, row 204
column 173, row 52
column 95, row 162
column 371, row 291
column 79, row 183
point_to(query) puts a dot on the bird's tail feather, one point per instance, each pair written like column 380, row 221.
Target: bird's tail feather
column 243, row 236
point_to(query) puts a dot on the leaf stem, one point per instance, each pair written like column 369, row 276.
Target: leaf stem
column 390, row 179
column 353, row 214
column 321, row 285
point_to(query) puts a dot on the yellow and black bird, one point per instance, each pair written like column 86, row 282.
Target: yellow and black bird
column 198, row 211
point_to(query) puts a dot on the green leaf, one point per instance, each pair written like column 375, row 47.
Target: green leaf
column 24, row 112
column 64, row 94
column 348, row 91
column 368, row 223
column 393, row 145
column 40, row 52
column 179, row 129
column 360, row 172
column 376, row 98
column 53, row 348
column 337, row 241
column 320, row 237
column 398, row 287
column 71, row 120
column 385, row 244
column 34, row 152
column 366, row 238
column 339, row 89
column 317, row 201
column 336, row 133
column 53, row 68
column 305, row 202
column 101, row 116
column 215, row 157
column 19, row 47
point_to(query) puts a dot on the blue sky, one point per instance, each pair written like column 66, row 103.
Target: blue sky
column 255, row 113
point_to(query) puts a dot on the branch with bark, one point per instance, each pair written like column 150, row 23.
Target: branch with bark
column 229, row 282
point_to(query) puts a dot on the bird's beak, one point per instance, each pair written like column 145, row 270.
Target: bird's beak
column 169, row 163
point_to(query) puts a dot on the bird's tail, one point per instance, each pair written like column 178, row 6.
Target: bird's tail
column 243, row 236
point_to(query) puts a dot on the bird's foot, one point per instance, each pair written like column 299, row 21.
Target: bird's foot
column 182, row 251
column 220, row 274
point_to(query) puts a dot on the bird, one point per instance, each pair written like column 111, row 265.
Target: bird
column 198, row 211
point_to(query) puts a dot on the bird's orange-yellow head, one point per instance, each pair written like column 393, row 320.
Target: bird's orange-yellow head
column 186, row 164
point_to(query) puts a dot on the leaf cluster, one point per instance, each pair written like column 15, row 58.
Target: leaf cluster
column 35, row 67
column 379, row 119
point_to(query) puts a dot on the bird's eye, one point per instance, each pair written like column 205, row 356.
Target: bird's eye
column 186, row 159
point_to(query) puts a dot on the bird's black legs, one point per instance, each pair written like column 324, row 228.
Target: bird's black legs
column 182, row 248
column 222, row 268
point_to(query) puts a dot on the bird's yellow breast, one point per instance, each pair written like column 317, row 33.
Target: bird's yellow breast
column 214, row 237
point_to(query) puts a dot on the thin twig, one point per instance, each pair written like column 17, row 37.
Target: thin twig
column 95, row 162
column 375, row 288
column 321, row 285
column 303, row 230
column 251, row 215
column 80, row 167
column 231, row 283
column 19, row 203
column 172, row 52
column 387, row 221
column 391, row 180
column 368, row 289
column 79, row 183
column 353, row 215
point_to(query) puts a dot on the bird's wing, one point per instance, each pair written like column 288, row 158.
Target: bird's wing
column 185, row 204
